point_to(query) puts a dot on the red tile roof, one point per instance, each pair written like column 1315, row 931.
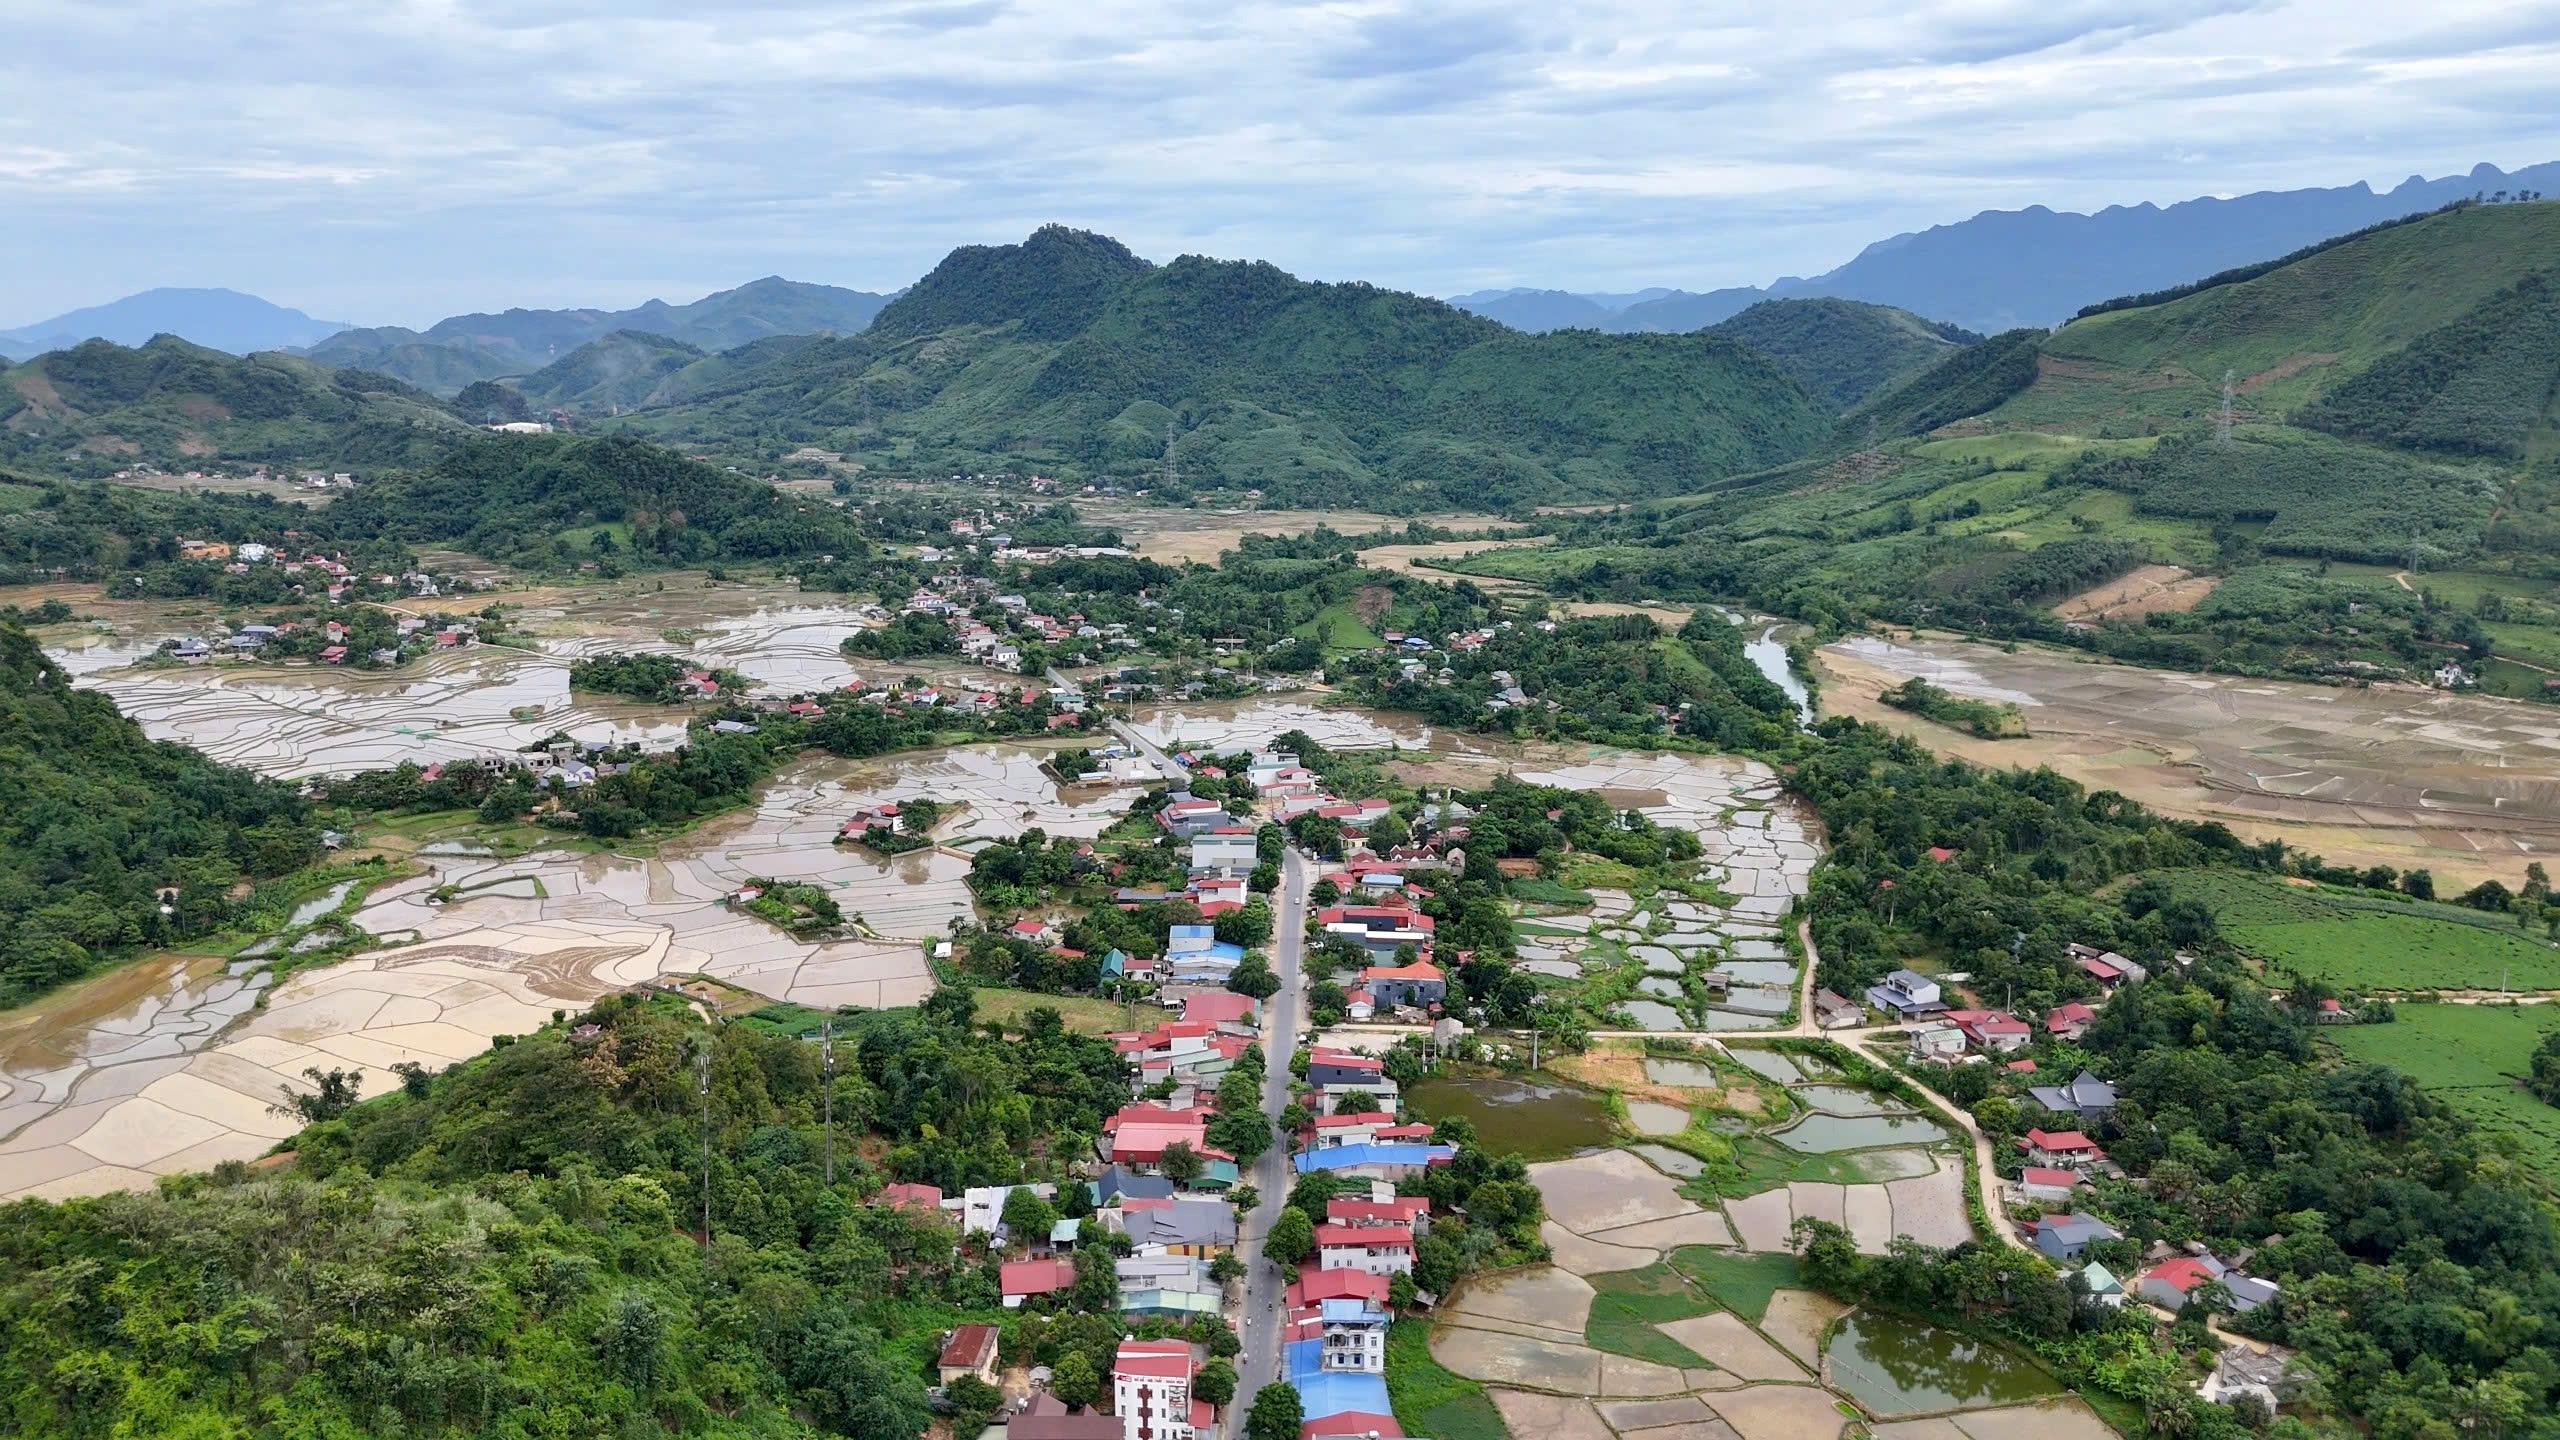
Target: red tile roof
column 1036, row 1277
column 971, row 1346
column 1366, row 1237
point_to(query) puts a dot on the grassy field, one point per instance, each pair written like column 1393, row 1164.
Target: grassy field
column 1740, row 1283
column 1629, row 1303
column 1336, row 628
column 1429, row 1398
column 2469, row 1056
column 2367, row 940
column 1084, row 1014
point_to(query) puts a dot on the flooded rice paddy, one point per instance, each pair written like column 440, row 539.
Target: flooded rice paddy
column 1534, row 1119
column 1898, row 1366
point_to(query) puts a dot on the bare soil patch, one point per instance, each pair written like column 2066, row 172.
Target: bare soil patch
column 2149, row 590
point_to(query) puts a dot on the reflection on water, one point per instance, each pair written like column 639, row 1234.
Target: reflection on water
column 1898, row 1366
column 1770, row 658
column 1534, row 1119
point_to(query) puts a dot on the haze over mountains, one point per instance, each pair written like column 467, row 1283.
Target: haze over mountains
column 1995, row 271
column 2006, row 268
column 459, row 349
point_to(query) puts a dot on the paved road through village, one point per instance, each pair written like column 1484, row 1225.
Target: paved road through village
column 1259, row 1364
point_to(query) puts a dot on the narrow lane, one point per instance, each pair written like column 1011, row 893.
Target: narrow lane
column 1264, row 1285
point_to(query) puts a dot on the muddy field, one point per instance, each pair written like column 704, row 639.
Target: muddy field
column 2394, row 775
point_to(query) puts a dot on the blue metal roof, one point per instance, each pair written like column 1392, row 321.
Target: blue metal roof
column 1346, row 1157
column 1337, row 1391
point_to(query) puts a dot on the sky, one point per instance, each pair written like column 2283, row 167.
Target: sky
column 395, row 161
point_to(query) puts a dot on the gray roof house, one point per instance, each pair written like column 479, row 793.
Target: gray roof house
column 2068, row 1237
column 1119, row 1181
column 2086, row 1096
column 1906, row 993
column 1185, row 1221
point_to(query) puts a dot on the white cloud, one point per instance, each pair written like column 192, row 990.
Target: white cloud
column 395, row 160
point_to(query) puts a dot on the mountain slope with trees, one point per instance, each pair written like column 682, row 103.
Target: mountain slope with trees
column 2392, row 407
column 1068, row 352
column 99, row 407
column 96, row 821
column 1840, row 350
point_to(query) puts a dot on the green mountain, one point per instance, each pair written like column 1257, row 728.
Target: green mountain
column 622, row 371
column 1841, row 350
column 409, row 356
column 99, row 407
column 543, row 499
column 2393, row 399
column 1068, row 353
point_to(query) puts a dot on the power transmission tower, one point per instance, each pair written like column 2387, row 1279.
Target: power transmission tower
column 1171, row 475
column 827, row 1102
column 2222, row 427
column 702, row 1086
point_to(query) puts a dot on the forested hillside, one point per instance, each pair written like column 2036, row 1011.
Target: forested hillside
column 2391, row 401
column 99, row 407
column 544, row 498
column 1840, row 350
column 1068, row 352
column 95, row 821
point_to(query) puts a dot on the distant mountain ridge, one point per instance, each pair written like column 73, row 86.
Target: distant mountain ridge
column 2006, row 268
column 460, row 349
column 213, row 318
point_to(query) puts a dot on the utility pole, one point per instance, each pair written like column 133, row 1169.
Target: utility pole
column 702, row 1086
column 827, row 1101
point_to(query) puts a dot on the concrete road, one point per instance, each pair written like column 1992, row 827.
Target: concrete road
column 1259, row 1318
column 1165, row 764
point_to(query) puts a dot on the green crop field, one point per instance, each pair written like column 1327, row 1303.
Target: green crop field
column 2368, row 940
column 2470, row 1056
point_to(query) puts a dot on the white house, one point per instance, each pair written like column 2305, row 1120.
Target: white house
column 1370, row 1249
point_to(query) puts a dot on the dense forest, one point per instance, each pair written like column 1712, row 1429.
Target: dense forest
column 96, row 823
column 1841, row 351
column 1070, row 353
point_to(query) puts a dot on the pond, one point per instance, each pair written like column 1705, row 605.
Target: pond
column 1691, row 1074
column 1848, row 1100
column 319, row 905
column 1678, row 1163
column 1895, row 1366
column 1653, row 1015
column 1735, row 1020
column 1532, row 1118
column 1652, row 1118
column 1780, row 973
column 1666, row 989
column 1767, row 1064
column 1752, row 1001
column 1820, row 1134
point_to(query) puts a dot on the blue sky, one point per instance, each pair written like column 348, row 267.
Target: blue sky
column 393, row 161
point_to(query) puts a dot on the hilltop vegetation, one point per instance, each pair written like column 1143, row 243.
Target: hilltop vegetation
column 619, row 371
column 99, row 407
column 1069, row 353
column 2391, row 406
column 460, row 349
column 1841, row 350
column 514, row 496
